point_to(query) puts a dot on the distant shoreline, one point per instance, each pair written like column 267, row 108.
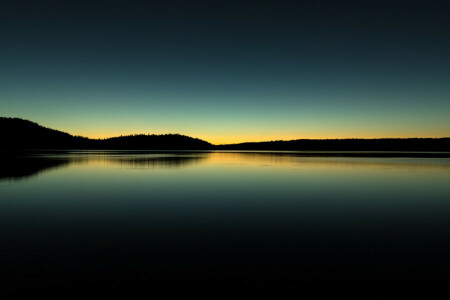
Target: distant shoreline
column 19, row 135
column 349, row 154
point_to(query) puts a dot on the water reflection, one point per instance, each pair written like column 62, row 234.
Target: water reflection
column 121, row 213
column 161, row 160
column 327, row 160
column 20, row 167
column 16, row 167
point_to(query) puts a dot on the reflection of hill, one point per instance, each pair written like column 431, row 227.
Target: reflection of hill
column 19, row 167
column 144, row 161
column 138, row 159
column 14, row 168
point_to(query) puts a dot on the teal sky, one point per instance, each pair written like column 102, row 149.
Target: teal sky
column 228, row 72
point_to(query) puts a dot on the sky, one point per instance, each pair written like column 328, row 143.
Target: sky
column 228, row 71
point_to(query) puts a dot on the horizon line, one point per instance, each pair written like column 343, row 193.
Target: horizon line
column 237, row 142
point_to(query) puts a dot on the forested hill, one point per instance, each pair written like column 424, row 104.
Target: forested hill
column 152, row 142
column 386, row 144
column 23, row 134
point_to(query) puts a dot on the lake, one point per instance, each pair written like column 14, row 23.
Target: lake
column 251, row 219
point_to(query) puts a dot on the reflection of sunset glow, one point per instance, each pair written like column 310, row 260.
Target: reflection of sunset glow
column 230, row 159
column 316, row 162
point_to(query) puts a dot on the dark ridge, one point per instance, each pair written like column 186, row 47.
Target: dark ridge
column 156, row 142
column 23, row 134
column 385, row 144
column 19, row 134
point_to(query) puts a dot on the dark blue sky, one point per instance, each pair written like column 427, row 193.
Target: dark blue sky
column 228, row 71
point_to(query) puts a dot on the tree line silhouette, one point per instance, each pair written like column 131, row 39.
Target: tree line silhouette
column 23, row 134
column 19, row 134
column 382, row 144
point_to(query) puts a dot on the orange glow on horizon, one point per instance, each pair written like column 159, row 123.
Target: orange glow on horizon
column 235, row 139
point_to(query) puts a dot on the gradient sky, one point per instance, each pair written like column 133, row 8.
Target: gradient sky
column 228, row 71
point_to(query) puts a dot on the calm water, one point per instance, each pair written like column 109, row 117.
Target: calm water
column 137, row 212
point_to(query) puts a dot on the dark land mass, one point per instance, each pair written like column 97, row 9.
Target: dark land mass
column 384, row 144
column 18, row 134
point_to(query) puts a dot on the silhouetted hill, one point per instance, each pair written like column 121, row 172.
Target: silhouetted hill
column 23, row 134
column 153, row 142
column 407, row 144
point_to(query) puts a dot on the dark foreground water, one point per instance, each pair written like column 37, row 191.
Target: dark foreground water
column 249, row 221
